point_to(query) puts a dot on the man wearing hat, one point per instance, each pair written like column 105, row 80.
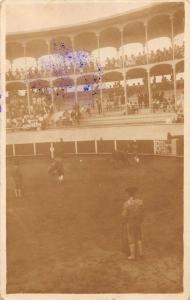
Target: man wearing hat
column 133, row 216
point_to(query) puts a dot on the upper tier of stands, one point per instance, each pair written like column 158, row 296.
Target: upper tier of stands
column 65, row 92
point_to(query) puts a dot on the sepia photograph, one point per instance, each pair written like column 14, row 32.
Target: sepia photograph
column 94, row 117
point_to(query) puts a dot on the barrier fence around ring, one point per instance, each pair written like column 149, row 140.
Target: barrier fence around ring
column 169, row 148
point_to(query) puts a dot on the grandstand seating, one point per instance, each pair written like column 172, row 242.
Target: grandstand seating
column 95, row 88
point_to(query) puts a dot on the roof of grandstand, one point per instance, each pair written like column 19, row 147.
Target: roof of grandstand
column 135, row 14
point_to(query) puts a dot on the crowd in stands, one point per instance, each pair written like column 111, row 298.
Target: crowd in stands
column 16, row 108
column 31, row 73
column 18, row 74
column 70, row 116
column 179, row 117
column 113, row 63
column 160, row 55
column 35, row 111
column 161, row 103
column 141, row 58
column 179, row 51
column 62, row 69
column 135, row 60
column 62, row 99
column 113, row 98
column 38, row 72
column 82, row 67
column 41, row 101
column 164, row 84
column 166, row 54
column 21, row 115
column 137, row 96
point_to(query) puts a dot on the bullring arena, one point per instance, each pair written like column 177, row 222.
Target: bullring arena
column 91, row 90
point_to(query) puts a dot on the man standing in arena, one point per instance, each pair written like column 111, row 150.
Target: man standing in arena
column 135, row 151
column 120, row 157
column 132, row 215
column 17, row 178
column 56, row 167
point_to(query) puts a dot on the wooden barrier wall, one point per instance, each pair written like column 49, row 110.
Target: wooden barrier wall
column 77, row 147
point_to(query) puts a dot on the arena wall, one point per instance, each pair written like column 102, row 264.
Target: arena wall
column 173, row 147
column 125, row 132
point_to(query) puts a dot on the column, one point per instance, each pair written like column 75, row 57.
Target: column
column 172, row 37
column 26, row 78
column 74, row 65
column 52, row 92
column 76, row 147
column 175, row 85
column 11, row 68
column 118, row 58
column 48, row 43
column 48, row 46
column 75, row 85
column 14, row 153
column 25, row 60
column 98, row 46
column 96, row 146
column 37, row 65
column 99, row 68
column 115, row 145
column 28, row 95
column 173, row 58
column 146, row 41
column 147, row 61
column 149, row 89
column 11, row 64
column 123, row 67
column 34, row 148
